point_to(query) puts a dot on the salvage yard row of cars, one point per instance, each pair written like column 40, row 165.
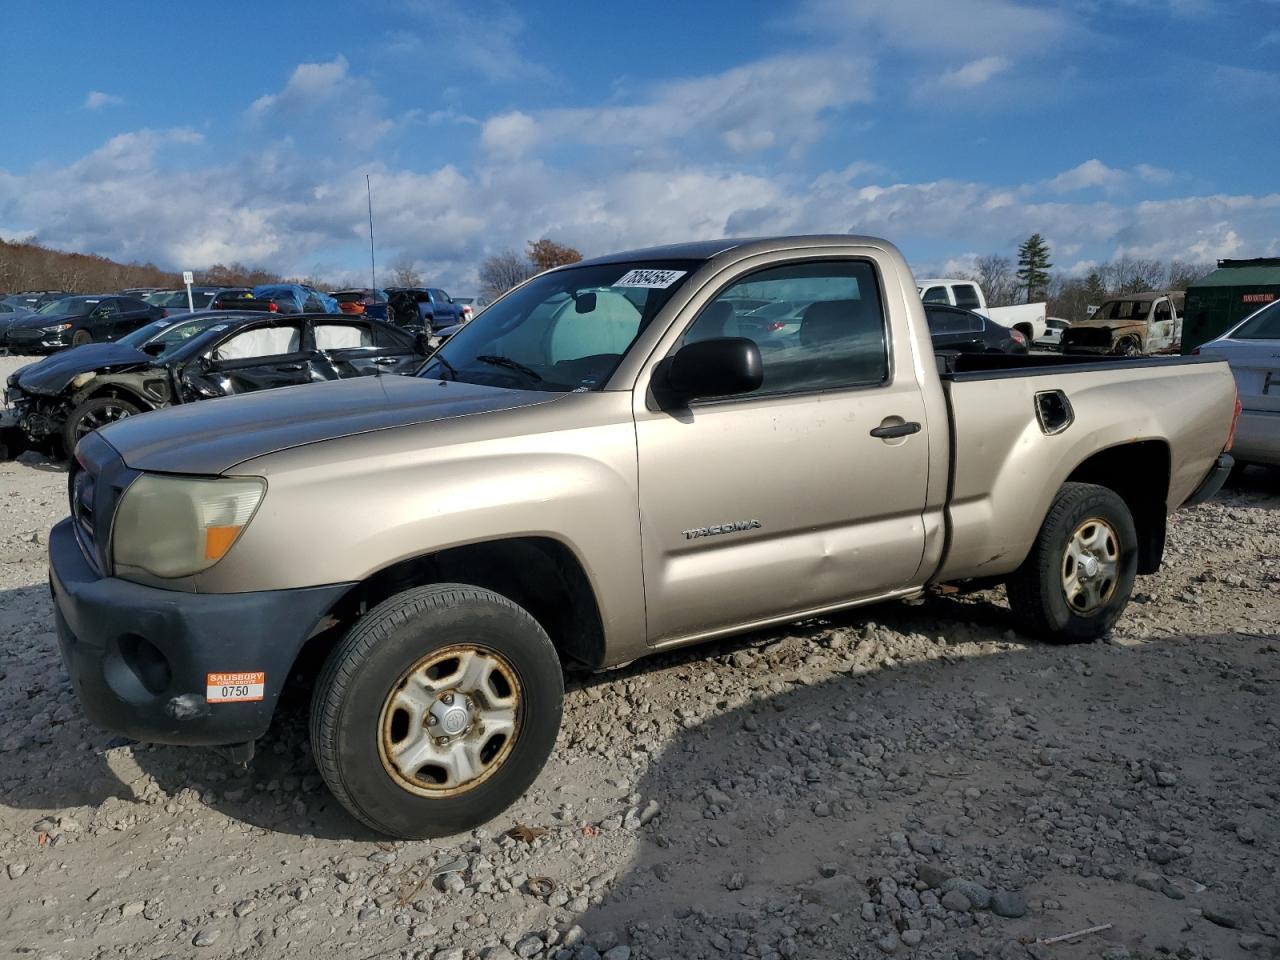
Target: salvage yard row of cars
column 46, row 321
column 576, row 475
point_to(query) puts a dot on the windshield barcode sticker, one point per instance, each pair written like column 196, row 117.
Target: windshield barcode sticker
column 650, row 279
column 235, row 687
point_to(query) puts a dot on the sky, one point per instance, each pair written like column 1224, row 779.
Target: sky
column 191, row 134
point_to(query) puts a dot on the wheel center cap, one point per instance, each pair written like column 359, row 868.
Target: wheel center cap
column 1090, row 567
column 451, row 718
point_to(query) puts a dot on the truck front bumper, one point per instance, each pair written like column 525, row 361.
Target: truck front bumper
column 140, row 657
column 1213, row 481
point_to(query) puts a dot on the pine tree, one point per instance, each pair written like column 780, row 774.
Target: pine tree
column 1033, row 266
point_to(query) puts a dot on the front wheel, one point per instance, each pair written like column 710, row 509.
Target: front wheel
column 1078, row 577
column 89, row 416
column 437, row 711
column 81, row 337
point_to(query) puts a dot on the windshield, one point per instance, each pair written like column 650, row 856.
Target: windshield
column 565, row 331
column 1123, row 310
column 1263, row 325
column 69, row 306
column 170, row 332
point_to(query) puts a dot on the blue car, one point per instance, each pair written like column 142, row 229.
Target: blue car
column 302, row 298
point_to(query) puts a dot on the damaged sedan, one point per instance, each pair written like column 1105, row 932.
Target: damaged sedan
column 202, row 356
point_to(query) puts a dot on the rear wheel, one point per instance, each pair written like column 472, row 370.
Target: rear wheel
column 1077, row 580
column 81, row 337
column 89, row 416
column 437, row 711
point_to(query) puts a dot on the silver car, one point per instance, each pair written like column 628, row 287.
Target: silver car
column 1252, row 348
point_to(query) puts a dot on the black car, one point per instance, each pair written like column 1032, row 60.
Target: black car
column 202, row 298
column 955, row 330
column 34, row 299
column 74, row 321
column 199, row 356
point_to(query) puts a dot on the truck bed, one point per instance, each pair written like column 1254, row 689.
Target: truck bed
column 1006, row 466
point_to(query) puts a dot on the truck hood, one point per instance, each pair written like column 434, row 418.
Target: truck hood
column 1108, row 324
column 51, row 375
column 212, row 436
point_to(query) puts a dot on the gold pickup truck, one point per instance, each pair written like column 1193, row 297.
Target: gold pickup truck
column 617, row 457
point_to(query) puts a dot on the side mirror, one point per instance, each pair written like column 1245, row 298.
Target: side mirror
column 721, row 367
column 422, row 344
column 153, row 349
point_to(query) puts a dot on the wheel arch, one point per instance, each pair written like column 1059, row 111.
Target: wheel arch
column 541, row 574
column 1139, row 473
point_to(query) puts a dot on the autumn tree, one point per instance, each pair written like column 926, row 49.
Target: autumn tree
column 502, row 271
column 1033, row 267
column 545, row 254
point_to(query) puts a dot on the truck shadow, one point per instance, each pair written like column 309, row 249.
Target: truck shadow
column 787, row 824
column 280, row 789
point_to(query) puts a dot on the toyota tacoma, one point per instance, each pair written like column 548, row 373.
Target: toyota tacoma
column 600, row 466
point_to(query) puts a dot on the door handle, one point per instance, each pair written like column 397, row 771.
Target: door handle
column 289, row 366
column 896, row 430
column 384, row 361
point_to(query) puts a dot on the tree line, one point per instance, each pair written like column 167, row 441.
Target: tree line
column 1031, row 278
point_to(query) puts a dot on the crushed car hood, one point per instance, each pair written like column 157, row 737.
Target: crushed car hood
column 212, row 436
column 52, row 374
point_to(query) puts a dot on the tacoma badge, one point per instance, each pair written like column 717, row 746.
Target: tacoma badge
column 736, row 527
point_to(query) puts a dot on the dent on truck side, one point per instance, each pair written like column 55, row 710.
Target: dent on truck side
column 346, row 509
column 1006, row 471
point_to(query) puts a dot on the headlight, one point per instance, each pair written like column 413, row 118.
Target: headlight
column 177, row 526
column 57, row 328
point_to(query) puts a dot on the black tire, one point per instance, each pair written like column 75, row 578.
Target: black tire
column 93, row 413
column 81, row 337
column 1036, row 590
column 1129, row 347
column 347, row 707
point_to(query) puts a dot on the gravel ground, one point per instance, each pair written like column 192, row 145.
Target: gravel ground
column 910, row 779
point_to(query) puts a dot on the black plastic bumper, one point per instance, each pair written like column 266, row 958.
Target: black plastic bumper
column 1213, row 481
column 139, row 657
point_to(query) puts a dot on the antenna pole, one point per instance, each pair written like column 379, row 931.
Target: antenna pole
column 373, row 270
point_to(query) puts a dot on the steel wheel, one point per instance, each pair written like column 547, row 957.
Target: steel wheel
column 1090, row 566
column 451, row 720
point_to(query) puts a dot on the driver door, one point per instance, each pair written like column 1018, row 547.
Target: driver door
column 786, row 500
column 1160, row 329
column 261, row 357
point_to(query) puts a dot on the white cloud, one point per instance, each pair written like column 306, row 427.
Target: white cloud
column 485, row 33
column 974, row 73
column 331, row 94
column 1091, row 173
column 96, row 100
column 776, row 102
column 510, row 134
column 1094, row 174
column 966, row 27
column 308, row 85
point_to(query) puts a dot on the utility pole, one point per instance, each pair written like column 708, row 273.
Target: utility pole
column 373, row 270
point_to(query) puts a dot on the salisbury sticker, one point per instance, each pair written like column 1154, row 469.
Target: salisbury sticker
column 650, row 279
column 235, row 687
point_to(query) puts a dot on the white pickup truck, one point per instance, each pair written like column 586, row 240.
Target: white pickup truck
column 1029, row 319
